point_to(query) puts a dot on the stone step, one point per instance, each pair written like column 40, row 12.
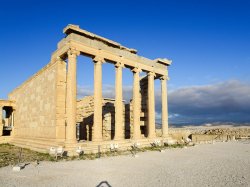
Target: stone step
column 5, row 139
column 105, row 146
column 36, row 145
column 88, row 147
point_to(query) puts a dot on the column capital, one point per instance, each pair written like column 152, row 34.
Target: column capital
column 98, row 59
column 151, row 73
column 72, row 52
column 59, row 59
column 119, row 64
column 164, row 77
column 136, row 70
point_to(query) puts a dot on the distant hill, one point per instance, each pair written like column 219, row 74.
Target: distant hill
column 210, row 124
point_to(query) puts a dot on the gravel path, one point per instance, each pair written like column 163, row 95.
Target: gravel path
column 219, row 164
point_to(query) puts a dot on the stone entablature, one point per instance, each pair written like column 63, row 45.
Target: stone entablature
column 96, row 47
column 75, row 29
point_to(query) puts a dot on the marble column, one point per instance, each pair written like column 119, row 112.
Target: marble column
column 164, row 112
column 71, row 96
column 1, row 120
column 151, row 105
column 119, row 121
column 136, row 104
column 97, row 125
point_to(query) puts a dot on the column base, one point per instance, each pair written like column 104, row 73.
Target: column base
column 165, row 136
column 136, row 138
column 151, row 137
column 97, row 140
column 71, row 141
column 118, row 138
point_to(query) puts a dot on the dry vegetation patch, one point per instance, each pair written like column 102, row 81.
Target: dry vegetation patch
column 9, row 155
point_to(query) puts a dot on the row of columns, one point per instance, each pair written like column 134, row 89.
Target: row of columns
column 97, row 125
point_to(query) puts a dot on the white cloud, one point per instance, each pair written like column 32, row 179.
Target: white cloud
column 228, row 100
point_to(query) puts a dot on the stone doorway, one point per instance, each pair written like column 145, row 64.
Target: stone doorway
column 7, row 120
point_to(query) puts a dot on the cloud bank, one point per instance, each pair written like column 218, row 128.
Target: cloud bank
column 225, row 101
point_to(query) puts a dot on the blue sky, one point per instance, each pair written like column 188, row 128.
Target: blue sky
column 208, row 41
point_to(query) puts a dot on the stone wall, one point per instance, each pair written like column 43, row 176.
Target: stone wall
column 179, row 133
column 85, row 113
column 236, row 131
column 37, row 106
column 61, row 80
column 210, row 137
column 129, row 128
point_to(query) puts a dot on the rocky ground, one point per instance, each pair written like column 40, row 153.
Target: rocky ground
column 217, row 130
column 238, row 132
column 219, row 164
column 185, row 131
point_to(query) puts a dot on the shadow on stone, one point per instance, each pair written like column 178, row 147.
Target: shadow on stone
column 103, row 184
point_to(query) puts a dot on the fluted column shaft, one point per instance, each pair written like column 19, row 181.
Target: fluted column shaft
column 164, row 106
column 118, row 103
column 136, row 104
column 71, row 97
column 97, row 125
column 151, row 105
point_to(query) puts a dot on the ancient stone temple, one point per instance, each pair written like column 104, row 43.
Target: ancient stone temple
column 44, row 111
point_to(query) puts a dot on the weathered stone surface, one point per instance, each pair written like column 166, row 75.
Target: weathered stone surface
column 85, row 113
column 46, row 110
column 36, row 105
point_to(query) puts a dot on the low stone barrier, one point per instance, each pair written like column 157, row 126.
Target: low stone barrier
column 198, row 138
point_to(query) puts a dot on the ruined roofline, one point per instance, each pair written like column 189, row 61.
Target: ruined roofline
column 70, row 28
column 6, row 102
column 164, row 61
